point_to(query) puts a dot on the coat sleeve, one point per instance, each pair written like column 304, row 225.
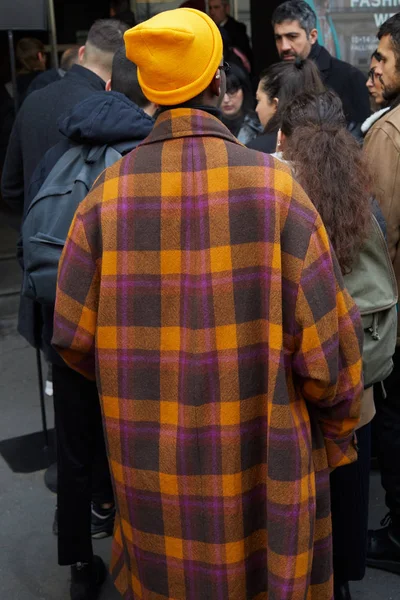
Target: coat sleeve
column 75, row 315
column 12, row 184
column 328, row 349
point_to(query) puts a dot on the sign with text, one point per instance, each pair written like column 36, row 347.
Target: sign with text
column 348, row 28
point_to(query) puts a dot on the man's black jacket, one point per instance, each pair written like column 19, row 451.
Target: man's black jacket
column 238, row 36
column 35, row 130
column 347, row 81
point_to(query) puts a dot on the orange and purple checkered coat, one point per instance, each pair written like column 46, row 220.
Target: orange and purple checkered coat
column 198, row 286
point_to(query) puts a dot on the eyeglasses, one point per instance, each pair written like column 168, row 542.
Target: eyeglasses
column 371, row 74
column 225, row 67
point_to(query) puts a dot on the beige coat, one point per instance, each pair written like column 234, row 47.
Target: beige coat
column 382, row 147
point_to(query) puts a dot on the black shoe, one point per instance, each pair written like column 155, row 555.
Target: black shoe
column 87, row 579
column 342, row 591
column 384, row 547
column 102, row 521
column 55, row 523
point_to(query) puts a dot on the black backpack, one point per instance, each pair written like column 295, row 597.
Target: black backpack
column 50, row 214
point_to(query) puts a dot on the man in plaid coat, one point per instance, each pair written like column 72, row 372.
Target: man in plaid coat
column 199, row 288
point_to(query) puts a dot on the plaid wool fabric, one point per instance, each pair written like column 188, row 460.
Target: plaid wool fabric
column 198, row 286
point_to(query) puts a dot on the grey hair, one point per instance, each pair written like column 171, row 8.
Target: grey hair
column 296, row 10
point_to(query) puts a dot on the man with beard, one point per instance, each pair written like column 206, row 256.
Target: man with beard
column 296, row 35
column 382, row 144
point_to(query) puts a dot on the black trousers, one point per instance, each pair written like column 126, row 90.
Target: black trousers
column 349, row 500
column 83, row 472
column 387, row 436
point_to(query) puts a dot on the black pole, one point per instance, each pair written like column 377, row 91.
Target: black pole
column 42, row 401
column 53, row 34
column 13, row 69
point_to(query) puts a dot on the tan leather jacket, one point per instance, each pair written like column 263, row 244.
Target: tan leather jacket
column 382, row 147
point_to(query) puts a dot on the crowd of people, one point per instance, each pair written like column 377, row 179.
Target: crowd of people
column 210, row 267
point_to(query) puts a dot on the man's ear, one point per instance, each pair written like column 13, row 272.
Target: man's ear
column 216, row 84
column 228, row 8
column 154, row 108
column 108, row 86
column 313, row 37
column 81, row 54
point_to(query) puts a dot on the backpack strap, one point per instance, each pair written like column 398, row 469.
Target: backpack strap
column 93, row 154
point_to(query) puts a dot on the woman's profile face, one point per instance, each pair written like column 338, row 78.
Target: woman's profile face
column 233, row 100
column 374, row 84
column 266, row 108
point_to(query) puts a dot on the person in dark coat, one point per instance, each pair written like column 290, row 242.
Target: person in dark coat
column 219, row 12
column 121, row 10
column 120, row 118
column 34, row 132
column 294, row 24
column 69, row 58
column 35, row 129
column 31, row 61
column 7, row 115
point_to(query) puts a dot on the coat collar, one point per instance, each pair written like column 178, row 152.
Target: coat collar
column 77, row 71
column 321, row 56
column 188, row 122
column 366, row 126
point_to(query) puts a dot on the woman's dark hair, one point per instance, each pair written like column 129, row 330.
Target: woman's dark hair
column 124, row 79
column 330, row 166
column 284, row 81
column 237, row 79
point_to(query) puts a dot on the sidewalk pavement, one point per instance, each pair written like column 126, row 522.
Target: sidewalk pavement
column 28, row 552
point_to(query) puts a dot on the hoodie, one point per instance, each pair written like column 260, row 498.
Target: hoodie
column 106, row 118
column 103, row 118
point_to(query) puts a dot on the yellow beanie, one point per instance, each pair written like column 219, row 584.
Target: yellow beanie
column 177, row 53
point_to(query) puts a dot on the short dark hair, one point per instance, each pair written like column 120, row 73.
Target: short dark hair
column 69, row 58
column 284, row 80
column 392, row 27
column 237, row 78
column 296, row 10
column 124, row 79
column 107, row 35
